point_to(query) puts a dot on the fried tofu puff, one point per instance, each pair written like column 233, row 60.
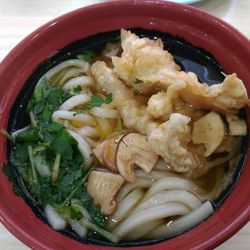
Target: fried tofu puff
column 134, row 115
column 169, row 133
column 230, row 95
column 170, row 141
column 144, row 60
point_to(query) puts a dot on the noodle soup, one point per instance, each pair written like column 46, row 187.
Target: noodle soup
column 121, row 143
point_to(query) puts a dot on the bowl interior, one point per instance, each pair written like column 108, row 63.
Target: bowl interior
column 229, row 48
column 188, row 57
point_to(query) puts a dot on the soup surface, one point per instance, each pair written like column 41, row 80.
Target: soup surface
column 127, row 139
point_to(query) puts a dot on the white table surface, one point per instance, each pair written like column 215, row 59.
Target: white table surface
column 18, row 18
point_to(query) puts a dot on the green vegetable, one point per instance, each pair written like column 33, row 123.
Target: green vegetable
column 33, row 169
column 111, row 237
column 88, row 55
column 47, row 142
column 6, row 170
column 136, row 81
column 7, row 135
column 75, row 215
column 19, row 157
column 97, row 101
column 62, row 144
column 80, row 111
column 28, row 135
column 45, row 100
column 73, row 192
column 77, row 89
column 32, row 119
column 55, row 170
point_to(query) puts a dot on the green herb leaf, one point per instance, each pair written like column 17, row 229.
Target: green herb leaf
column 88, row 55
column 7, row 172
column 77, row 89
column 75, row 215
column 80, row 111
column 62, row 144
column 137, row 81
column 27, row 135
column 20, row 156
column 7, row 135
column 45, row 100
column 97, row 101
column 109, row 99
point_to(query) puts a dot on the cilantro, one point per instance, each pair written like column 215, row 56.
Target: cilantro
column 62, row 144
column 77, row 89
column 45, row 100
column 55, row 147
column 55, row 127
column 137, row 81
column 27, row 135
column 8, row 173
column 20, row 155
column 80, row 111
column 94, row 210
column 97, row 101
column 88, row 55
column 75, row 215
column 7, row 135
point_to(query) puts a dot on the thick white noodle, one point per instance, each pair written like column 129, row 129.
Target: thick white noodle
column 104, row 125
column 75, row 101
column 69, row 63
column 155, row 174
column 73, row 116
column 41, row 167
column 69, row 74
column 104, row 113
column 170, row 183
column 82, row 81
column 148, row 215
column 128, row 187
column 90, row 141
column 189, row 220
column 83, row 147
column 124, row 207
column 181, row 196
column 54, row 219
column 78, row 228
column 142, row 230
column 87, row 131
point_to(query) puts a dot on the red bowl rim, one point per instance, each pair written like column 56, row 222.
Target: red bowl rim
column 216, row 237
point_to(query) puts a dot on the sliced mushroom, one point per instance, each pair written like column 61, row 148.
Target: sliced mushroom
column 106, row 151
column 134, row 150
column 236, row 125
column 103, row 187
column 122, row 152
column 208, row 130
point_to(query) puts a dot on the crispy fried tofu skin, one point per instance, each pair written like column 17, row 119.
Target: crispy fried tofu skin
column 176, row 120
column 145, row 60
column 229, row 95
column 134, row 115
column 170, row 140
column 103, row 187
